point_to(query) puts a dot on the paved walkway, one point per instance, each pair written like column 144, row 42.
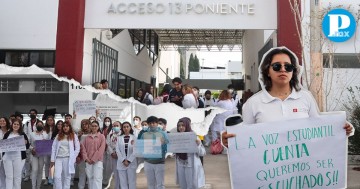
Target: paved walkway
column 217, row 175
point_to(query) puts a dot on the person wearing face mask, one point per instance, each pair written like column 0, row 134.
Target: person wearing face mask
column 234, row 97
column 29, row 127
column 107, row 171
column 137, row 125
column 37, row 162
column 155, row 167
column 111, row 142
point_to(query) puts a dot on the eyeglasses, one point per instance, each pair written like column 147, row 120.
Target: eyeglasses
column 277, row 67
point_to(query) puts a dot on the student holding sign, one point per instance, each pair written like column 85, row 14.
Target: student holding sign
column 14, row 161
column 65, row 149
column 126, row 161
column 189, row 170
column 4, row 127
column 37, row 162
column 282, row 96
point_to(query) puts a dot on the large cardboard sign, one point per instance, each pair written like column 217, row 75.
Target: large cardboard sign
column 13, row 144
column 301, row 153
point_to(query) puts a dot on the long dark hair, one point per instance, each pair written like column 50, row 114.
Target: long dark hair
column 71, row 134
column 122, row 128
column 265, row 66
column 108, row 129
column 47, row 127
column 20, row 131
column 56, row 130
column 7, row 123
column 166, row 89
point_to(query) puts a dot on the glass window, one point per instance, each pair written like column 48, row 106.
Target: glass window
column 27, row 58
column 128, row 87
column 121, row 86
column 48, row 85
column 344, row 60
column 9, row 85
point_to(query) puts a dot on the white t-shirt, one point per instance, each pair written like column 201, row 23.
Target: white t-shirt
column 64, row 150
column 262, row 107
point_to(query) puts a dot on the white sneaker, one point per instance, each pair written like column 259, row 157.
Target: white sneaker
column 26, row 179
column 46, row 182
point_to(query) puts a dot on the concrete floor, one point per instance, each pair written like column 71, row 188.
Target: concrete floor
column 217, row 175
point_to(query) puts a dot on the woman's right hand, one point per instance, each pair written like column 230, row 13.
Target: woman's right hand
column 225, row 136
column 33, row 152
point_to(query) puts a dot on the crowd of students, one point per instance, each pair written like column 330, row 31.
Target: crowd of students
column 98, row 150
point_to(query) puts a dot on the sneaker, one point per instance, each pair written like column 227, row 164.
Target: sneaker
column 50, row 181
column 71, row 183
column 46, row 182
column 26, row 179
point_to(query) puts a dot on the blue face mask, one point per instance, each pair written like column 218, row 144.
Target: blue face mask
column 145, row 128
column 116, row 129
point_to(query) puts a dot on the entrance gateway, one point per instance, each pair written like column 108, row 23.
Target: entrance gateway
column 251, row 16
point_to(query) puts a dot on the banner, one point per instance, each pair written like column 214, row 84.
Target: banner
column 13, row 144
column 184, row 142
column 43, row 147
column 148, row 148
column 85, row 107
column 296, row 154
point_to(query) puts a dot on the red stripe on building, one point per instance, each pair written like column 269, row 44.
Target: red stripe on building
column 287, row 34
column 70, row 39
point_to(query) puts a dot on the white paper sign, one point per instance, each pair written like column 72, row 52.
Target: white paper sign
column 301, row 153
column 13, row 144
column 148, row 148
column 85, row 107
column 184, row 142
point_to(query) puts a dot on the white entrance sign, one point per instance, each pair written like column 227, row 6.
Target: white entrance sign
column 13, row 144
column 297, row 154
column 85, row 107
column 184, row 142
column 184, row 14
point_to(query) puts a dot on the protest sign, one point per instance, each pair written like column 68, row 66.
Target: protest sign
column 184, row 142
column 43, row 147
column 13, row 144
column 296, row 154
column 148, row 148
column 85, row 107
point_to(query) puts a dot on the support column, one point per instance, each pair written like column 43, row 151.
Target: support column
column 70, row 39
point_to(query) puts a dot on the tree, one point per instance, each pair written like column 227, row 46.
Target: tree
column 191, row 64
column 196, row 64
column 182, row 71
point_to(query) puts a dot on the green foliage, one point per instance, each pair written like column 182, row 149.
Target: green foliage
column 182, row 70
column 215, row 94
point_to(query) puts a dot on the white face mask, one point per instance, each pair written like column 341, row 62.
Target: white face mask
column 145, row 127
column 231, row 90
column 136, row 122
column 161, row 127
column 107, row 124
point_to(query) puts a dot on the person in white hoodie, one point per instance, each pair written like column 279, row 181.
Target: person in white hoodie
column 126, row 162
column 189, row 99
column 281, row 94
column 65, row 149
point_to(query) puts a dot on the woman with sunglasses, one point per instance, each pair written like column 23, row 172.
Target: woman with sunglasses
column 65, row 149
column 279, row 75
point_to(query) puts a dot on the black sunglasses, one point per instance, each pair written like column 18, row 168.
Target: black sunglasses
column 277, row 67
